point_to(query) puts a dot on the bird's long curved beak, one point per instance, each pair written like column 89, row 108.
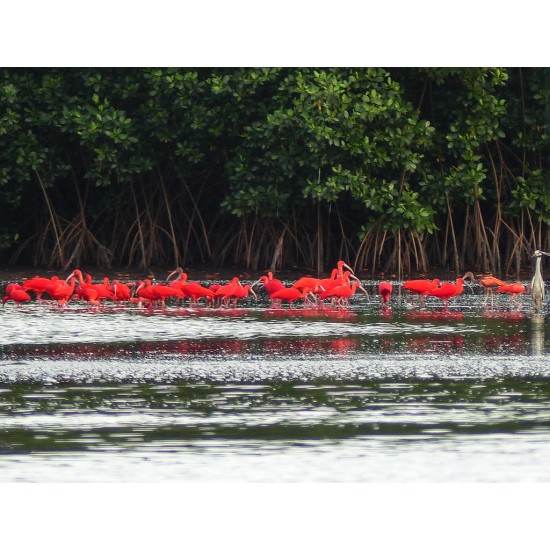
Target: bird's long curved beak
column 254, row 284
column 177, row 270
column 69, row 277
column 363, row 289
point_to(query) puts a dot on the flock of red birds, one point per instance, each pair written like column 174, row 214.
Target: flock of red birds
column 445, row 291
column 338, row 288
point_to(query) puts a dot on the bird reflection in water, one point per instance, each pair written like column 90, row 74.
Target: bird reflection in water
column 385, row 311
column 537, row 334
column 508, row 344
column 311, row 346
column 508, row 316
column 424, row 344
column 320, row 312
column 443, row 315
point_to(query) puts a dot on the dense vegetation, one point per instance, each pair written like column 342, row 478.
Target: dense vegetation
column 402, row 169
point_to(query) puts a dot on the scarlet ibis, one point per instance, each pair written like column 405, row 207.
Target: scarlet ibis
column 385, row 289
column 291, row 294
column 180, row 280
column 160, row 292
column 118, row 291
column 513, row 289
column 420, row 286
column 448, row 290
column 238, row 292
column 336, row 274
column 38, row 285
column 61, row 291
column 144, row 294
column 328, row 282
column 179, row 271
column 190, row 289
column 307, row 282
column 121, row 291
column 271, row 285
column 223, row 291
column 89, row 294
column 16, row 294
column 343, row 293
column 195, row 291
column 101, row 288
column 344, row 281
column 537, row 282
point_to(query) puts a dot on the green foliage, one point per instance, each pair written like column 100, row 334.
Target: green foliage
column 533, row 194
column 170, row 158
column 333, row 134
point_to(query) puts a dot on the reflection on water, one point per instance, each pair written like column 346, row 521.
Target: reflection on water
column 537, row 334
column 396, row 429
column 364, row 394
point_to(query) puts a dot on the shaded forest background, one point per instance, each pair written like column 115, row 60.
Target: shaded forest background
column 401, row 169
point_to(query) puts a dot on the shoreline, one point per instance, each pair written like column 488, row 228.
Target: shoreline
column 212, row 273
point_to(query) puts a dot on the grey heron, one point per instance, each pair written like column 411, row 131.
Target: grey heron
column 537, row 282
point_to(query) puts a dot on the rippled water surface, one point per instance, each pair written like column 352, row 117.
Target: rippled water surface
column 362, row 394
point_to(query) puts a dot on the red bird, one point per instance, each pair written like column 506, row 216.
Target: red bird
column 180, row 280
column 15, row 293
column 307, row 282
column 195, row 291
column 385, row 289
column 161, row 292
column 192, row 290
column 145, row 293
column 224, row 292
column 271, row 286
column 89, row 295
column 420, row 286
column 101, row 288
column 38, row 285
column 489, row 283
column 290, row 294
column 513, row 290
column 336, row 275
column 343, row 293
column 448, row 290
column 61, row 291
column 239, row 292
column 121, row 291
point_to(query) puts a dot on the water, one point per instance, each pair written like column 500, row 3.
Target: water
column 356, row 395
